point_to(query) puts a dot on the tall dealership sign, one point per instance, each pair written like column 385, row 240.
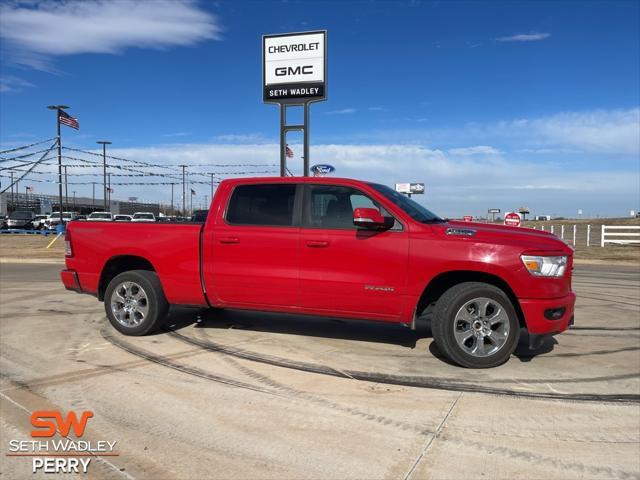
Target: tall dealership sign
column 294, row 73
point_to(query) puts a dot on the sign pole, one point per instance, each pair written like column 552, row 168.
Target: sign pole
column 306, row 140
column 283, row 140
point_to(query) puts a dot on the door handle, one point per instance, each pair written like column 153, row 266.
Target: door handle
column 317, row 243
column 229, row 240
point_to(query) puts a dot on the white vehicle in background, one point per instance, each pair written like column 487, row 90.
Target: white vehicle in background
column 53, row 219
column 100, row 217
column 122, row 218
column 38, row 222
column 143, row 217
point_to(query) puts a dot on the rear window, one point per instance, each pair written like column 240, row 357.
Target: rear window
column 270, row 205
column 143, row 216
column 100, row 215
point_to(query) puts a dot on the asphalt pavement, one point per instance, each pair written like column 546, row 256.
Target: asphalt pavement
column 230, row 394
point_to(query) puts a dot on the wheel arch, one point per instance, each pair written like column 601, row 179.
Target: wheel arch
column 444, row 281
column 119, row 264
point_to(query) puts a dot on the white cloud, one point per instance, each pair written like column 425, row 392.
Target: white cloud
column 456, row 184
column 38, row 30
column 343, row 111
column 477, row 150
column 10, row 83
column 598, row 132
column 524, row 37
column 241, row 138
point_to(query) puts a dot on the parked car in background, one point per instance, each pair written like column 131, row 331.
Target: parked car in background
column 53, row 220
column 80, row 217
column 199, row 216
column 21, row 219
column 38, row 222
column 143, row 217
column 3, row 222
column 122, row 218
column 100, row 217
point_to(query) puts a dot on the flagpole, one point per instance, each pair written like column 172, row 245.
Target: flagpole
column 57, row 108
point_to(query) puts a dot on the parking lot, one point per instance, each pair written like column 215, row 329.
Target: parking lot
column 225, row 394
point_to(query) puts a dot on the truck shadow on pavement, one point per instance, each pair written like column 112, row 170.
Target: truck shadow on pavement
column 327, row 327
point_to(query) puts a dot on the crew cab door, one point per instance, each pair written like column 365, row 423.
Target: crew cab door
column 344, row 269
column 253, row 257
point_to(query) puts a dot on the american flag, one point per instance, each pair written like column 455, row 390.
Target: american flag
column 193, row 192
column 66, row 119
column 289, row 152
column 109, row 189
column 29, row 189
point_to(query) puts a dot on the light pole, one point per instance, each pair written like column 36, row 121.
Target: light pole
column 74, row 200
column 66, row 190
column 58, row 108
column 93, row 195
column 104, row 144
column 171, row 198
column 109, row 190
column 184, row 200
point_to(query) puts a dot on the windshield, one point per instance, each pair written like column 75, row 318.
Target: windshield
column 411, row 208
column 20, row 216
column 144, row 216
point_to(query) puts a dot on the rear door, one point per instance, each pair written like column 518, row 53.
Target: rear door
column 346, row 270
column 255, row 259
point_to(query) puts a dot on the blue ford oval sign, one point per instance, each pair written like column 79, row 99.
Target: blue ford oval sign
column 322, row 169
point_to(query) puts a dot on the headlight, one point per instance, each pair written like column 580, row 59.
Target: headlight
column 545, row 266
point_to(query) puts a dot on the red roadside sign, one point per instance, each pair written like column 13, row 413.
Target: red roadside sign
column 468, row 218
column 512, row 219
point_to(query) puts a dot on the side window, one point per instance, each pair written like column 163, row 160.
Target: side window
column 331, row 206
column 268, row 205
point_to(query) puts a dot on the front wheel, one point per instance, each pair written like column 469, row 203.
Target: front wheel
column 135, row 303
column 476, row 325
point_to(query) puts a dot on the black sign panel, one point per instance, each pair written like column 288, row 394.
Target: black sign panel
column 293, row 90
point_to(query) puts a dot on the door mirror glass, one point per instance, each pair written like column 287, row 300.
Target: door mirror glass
column 371, row 218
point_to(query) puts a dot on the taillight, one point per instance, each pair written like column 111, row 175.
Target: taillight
column 68, row 250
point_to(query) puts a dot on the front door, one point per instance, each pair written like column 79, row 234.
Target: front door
column 346, row 270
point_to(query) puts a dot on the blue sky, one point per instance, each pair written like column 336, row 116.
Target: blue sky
column 491, row 104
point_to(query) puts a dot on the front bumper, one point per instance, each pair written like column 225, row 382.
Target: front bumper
column 70, row 280
column 537, row 311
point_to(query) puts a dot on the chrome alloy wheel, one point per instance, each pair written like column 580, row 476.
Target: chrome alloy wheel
column 481, row 327
column 129, row 304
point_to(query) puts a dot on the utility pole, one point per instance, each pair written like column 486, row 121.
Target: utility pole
column 206, row 203
column 58, row 108
column 184, row 200
column 66, row 191
column 211, row 186
column 93, row 195
column 172, row 184
column 74, row 200
column 13, row 204
column 104, row 144
column 109, row 190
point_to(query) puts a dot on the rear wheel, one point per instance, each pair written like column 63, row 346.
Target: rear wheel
column 475, row 325
column 135, row 303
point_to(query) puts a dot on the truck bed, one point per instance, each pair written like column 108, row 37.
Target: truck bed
column 172, row 249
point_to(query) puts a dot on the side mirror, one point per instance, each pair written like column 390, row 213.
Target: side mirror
column 370, row 218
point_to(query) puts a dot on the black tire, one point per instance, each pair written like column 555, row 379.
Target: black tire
column 444, row 324
column 155, row 302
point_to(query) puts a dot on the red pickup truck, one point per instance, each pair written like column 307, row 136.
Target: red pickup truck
column 335, row 248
